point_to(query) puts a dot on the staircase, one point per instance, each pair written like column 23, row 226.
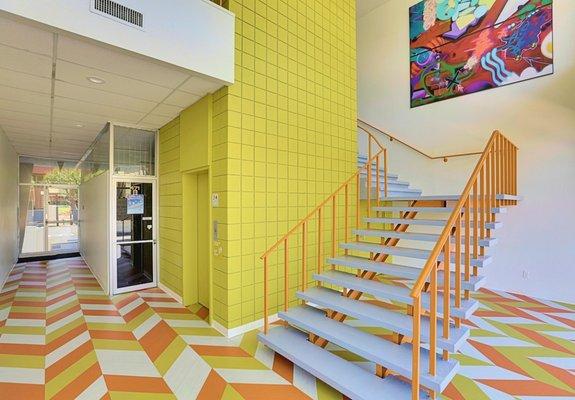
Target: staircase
column 443, row 250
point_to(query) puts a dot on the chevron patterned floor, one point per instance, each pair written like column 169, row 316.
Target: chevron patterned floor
column 62, row 338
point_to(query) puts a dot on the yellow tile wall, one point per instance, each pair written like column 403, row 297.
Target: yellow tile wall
column 284, row 137
column 170, row 192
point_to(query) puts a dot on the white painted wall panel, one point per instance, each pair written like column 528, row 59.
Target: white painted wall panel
column 8, row 207
column 94, row 232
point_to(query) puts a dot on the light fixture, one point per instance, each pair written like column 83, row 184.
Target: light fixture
column 79, row 125
column 96, row 80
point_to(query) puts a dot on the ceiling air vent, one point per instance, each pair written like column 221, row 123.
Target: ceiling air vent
column 126, row 15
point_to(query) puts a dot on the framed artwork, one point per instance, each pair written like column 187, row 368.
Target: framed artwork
column 458, row 47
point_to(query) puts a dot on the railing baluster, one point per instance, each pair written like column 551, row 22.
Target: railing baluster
column 493, row 188
column 488, row 191
column 433, row 321
column 346, row 217
column 385, row 171
column 446, row 292
column 357, row 205
column 475, row 226
column 319, row 241
column 467, row 246
column 334, row 229
column 286, row 274
column 369, row 181
column 377, row 201
column 266, row 311
column 416, row 342
column 458, row 267
column 303, row 256
column 482, row 207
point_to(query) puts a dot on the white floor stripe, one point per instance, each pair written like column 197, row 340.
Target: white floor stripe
column 187, row 375
column 22, row 375
column 146, row 326
column 96, row 390
column 22, row 339
column 258, row 376
column 67, row 348
column 63, row 322
column 126, row 362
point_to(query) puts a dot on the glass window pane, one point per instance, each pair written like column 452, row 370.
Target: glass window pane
column 134, row 151
column 33, row 170
column 135, row 264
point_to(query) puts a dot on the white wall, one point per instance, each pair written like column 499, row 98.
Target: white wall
column 94, row 226
column 8, row 207
column 538, row 116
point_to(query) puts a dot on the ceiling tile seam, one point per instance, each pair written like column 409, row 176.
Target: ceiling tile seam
column 105, row 117
column 24, row 90
column 53, row 85
column 25, row 50
column 123, row 76
column 165, row 98
column 24, row 73
column 102, row 104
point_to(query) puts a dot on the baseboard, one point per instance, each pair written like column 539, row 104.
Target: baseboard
column 230, row 333
column 169, row 291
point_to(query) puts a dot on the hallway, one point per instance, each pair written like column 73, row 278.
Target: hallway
column 61, row 337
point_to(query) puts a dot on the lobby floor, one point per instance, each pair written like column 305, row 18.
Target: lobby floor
column 62, row 338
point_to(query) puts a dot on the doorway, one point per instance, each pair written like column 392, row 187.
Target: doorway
column 49, row 219
column 134, row 263
column 196, row 238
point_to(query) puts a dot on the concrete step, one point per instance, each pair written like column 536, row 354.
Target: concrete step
column 393, row 292
column 348, row 378
column 392, row 356
column 403, row 271
column 424, row 222
column 449, row 210
column 451, row 197
column 423, row 237
column 374, row 315
column 480, row 261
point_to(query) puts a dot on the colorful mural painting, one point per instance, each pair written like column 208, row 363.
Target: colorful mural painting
column 460, row 47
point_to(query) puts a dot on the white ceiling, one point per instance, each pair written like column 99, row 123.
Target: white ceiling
column 48, row 108
column 366, row 6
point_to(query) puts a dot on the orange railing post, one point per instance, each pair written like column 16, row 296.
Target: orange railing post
column 266, row 310
column 286, row 274
column 385, row 172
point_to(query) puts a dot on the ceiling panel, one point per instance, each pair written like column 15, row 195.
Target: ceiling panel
column 167, row 110
column 117, row 62
column 100, row 111
column 199, row 86
column 181, row 99
column 18, row 106
column 78, row 74
column 24, row 96
column 156, row 120
column 94, row 95
column 27, row 37
column 25, row 62
column 17, row 116
column 25, row 81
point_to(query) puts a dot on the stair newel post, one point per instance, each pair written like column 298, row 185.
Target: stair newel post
column 497, row 167
column 377, row 202
column 385, row 172
column 433, row 319
column 319, row 241
column 286, row 274
column 467, row 246
column 488, row 206
column 507, row 148
column 458, row 267
column 415, row 347
column 493, row 188
column 266, row 323
column 334, row 228
column 475, row 226
column 446, row 292
column 303, row 256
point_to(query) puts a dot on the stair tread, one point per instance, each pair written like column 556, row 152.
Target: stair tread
column 402, row 271
column 452, row 197
column 382, row 317
column 495, row 210
column 371, row 347
column 393, row 292
column 348, row 378
column 479, row 261
column 423, row 221
column 423, row 237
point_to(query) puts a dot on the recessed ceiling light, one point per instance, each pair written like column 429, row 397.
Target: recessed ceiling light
column 78, row 125
column 96, row 80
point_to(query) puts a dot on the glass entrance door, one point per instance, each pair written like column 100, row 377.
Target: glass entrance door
column 135, row 236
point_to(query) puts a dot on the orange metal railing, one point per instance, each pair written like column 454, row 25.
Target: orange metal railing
column 317, row 216
column 494, row 175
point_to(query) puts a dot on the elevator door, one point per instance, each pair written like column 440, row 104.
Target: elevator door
column 135, row 241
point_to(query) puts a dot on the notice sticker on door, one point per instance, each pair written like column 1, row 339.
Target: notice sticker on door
column 136, row 204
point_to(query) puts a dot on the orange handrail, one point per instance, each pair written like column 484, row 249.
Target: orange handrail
column 317, row 212
column 495, row 174
column 395, row 138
